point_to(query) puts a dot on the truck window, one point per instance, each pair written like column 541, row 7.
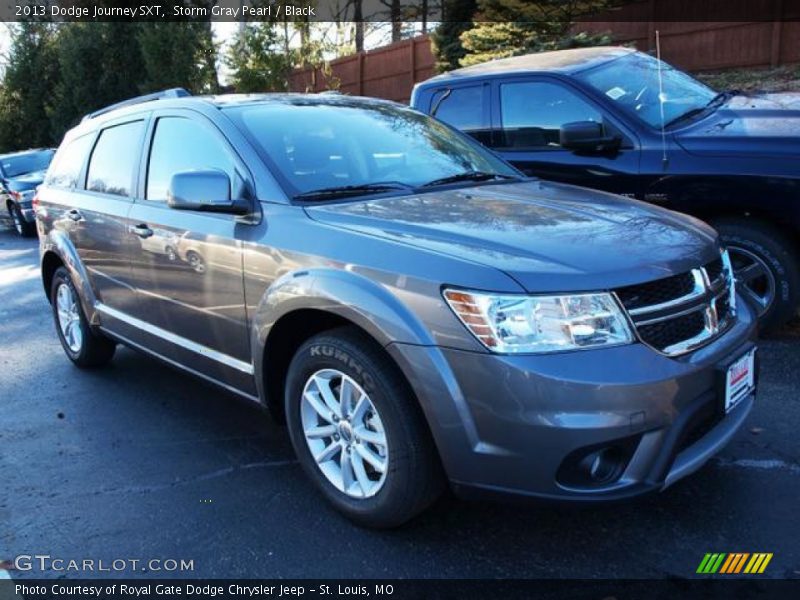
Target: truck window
column 463, row 108
column 532, row 112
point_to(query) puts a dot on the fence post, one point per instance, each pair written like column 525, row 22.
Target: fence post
column 777, row 30
column 361, row 73
column 413, row 63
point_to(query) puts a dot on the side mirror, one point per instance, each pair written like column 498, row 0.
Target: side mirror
column 204, row 190
column 587, row 136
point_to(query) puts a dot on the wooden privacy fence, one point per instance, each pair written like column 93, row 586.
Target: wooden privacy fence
column 691, row 42
column 388, row 72
column 391, row 72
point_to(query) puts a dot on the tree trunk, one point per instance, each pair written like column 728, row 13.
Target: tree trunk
column 358, row 17
column 397, row 25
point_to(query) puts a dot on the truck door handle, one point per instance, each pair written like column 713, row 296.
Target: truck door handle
column 75, row 215
column 142, row 230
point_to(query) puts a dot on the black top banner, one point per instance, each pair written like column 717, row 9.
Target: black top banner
column 402, row 11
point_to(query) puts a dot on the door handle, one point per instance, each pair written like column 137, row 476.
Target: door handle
column 142, row 230
column 75, row 215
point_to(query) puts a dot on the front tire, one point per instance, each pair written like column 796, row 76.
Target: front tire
column 83, row 346
column 765, row 264
column 21, row 226
column 358, row 432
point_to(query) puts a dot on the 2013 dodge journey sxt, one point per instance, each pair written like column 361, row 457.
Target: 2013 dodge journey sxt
column 416, row 309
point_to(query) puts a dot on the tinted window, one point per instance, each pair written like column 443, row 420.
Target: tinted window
column 184, row 145
column 68, row 162
column 114, row 159
column 460, row 107
column 533, row 112
column 352, row 143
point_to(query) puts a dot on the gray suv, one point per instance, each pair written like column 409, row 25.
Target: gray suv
column 417, row 310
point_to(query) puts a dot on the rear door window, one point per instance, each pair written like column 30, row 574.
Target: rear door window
column 114, row 159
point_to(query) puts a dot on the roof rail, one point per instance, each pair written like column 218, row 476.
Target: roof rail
column 171, row 93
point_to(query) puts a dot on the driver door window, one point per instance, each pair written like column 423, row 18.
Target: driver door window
column 532, row 113
column 181, row 144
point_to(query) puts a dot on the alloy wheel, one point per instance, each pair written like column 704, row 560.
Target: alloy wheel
column 69, row 317
column 344, row 432
column 754, row 278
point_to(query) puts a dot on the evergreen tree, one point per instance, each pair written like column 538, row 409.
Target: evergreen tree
column 178, row 55
column 505, row 28
column 28, row 82
column 257, row 59
column 100, row 64
column 446, row 38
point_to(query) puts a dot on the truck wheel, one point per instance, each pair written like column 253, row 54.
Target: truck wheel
column 83, row 346
column 358, row 431
column 21, row 226
column 765, row 264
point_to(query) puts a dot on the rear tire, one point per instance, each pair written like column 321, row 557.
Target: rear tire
column 765, row 263
column 82, row 346
column 21, row 226
column 381, row 484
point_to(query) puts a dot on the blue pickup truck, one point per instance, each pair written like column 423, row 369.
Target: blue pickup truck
column 621, row 121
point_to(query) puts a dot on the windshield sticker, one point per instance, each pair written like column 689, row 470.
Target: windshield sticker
column 616, row 93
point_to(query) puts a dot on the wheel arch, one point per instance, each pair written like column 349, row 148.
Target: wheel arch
column 300, row 305
column 58, row 250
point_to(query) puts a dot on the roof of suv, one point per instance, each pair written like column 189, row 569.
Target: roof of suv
column 167, row 99
column 562, row 61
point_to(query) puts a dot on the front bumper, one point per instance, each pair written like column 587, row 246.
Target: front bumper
column 28, row 213
column 519, row 424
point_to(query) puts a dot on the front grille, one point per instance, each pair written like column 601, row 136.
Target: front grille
column 664, row 334
column 656, row 292
column 682, row 312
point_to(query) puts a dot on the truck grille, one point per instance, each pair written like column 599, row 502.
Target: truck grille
column 682, row 312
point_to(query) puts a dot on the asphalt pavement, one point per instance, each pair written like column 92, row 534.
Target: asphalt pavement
column 139, row 461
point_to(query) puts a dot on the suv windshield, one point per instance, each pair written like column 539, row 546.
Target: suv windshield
column 632, row 82
column 14, row 166
column 363, row 147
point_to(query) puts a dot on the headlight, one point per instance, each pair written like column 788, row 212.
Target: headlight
column 533, row 324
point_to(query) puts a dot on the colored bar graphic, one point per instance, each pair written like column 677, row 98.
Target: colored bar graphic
column 734, row 563
column 711, row 563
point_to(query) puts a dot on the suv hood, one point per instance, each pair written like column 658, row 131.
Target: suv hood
column 748, row 125
column 548, row 237
column 26, row 181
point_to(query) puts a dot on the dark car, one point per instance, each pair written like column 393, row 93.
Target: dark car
column 416, row 309
column 20, row 175
column 592, row 117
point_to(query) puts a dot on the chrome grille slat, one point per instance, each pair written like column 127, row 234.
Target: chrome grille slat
column 691, row 319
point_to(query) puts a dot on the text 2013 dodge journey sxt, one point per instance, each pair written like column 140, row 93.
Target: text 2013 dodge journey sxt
column 418, row 310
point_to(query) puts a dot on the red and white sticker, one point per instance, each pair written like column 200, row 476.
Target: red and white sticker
column 740, row 380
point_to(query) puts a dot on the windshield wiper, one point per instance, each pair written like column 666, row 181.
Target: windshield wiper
column 715, row 102
column 468, row 176
column 341, row 191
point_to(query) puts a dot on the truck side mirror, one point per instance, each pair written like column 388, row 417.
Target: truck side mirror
column 587, row 136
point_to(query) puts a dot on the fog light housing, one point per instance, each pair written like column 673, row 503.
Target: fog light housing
column 597, row 466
